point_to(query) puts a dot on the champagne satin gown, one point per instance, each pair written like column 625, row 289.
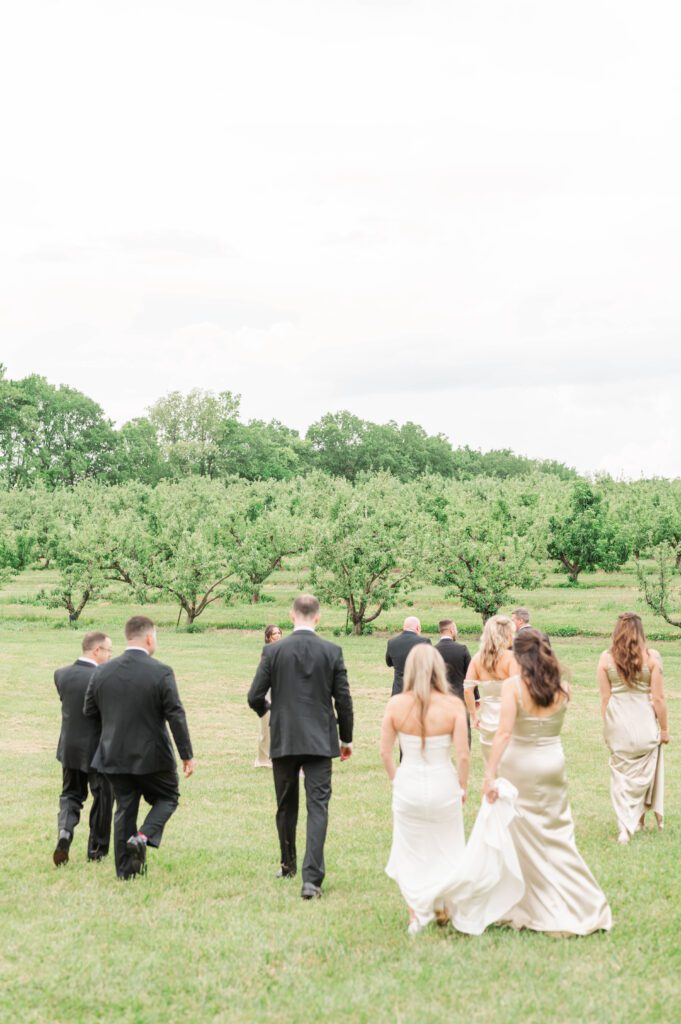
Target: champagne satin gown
column 561, row 895
column 489, row 711
column 632, row 733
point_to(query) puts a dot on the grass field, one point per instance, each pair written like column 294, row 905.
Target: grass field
column 211, row 935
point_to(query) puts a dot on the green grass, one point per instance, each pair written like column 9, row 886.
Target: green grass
column 211, row 935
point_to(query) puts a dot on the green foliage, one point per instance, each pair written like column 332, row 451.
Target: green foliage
column 660, row 584
column 368, row 549
column 586, row 537
column 483, row 543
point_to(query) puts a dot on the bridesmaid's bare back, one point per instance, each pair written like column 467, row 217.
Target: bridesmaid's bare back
column 443, row 713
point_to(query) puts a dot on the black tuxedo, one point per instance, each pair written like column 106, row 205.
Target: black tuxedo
column 307, row 679
column 135, row 695
column 396, row 655
column 457, row 658
column 78, row 741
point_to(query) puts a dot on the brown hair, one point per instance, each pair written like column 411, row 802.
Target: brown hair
column 306, row 606
column 94, row 639
column 269, row 630
column 424, row 671
column 444, row 624
column 628, row 645
column 138, row 625
column 539, row 666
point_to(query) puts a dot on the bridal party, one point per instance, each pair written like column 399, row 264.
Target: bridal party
column 506, row 704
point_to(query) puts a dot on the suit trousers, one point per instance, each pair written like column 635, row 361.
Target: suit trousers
column 317, row 772
column 73, row 796
column 161, row 791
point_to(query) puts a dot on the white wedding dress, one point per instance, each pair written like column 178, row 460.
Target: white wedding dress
column 434, row 869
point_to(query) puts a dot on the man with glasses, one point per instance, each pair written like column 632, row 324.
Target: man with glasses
column 78, row 741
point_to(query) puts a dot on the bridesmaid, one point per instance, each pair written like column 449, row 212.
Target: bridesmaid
column 262, row 759
column 561, row 895
column 635, row 725
column 493, row 663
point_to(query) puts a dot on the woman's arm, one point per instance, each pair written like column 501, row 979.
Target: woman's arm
column 469, row 684
column 461, row 749
column 509, row 711
column 603, row 681
column 388, row 737
column 657, row 693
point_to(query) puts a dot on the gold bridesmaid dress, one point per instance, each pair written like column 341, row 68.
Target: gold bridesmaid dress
column 561, row 895
column 632, row 734
column 488, row 712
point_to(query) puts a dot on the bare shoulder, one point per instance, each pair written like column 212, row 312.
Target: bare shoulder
column 508, row 664
column 474, row 667
column 655, row 657
column 604, row 659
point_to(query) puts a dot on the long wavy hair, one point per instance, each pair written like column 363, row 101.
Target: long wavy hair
column 424, row 672
column 496, row 638
column 628, row 646
column 539, row 666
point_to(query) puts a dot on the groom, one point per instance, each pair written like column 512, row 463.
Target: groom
column 307, row 679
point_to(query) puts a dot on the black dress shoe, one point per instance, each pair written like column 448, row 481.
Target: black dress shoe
column 61, row 850
column 95, row 854
column 310, row 891
column 287, row 872
column 137, row 851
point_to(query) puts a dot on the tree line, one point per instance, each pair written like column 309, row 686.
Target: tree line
column 59, row 437
column 363, row 543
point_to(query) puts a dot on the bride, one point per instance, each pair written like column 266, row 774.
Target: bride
column 428, row 793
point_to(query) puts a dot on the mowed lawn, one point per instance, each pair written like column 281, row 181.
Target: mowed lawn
column 211, row 935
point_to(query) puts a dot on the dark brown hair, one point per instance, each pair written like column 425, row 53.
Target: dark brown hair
column 94, row 639
column 628, row 645
column 444, row 624
column 269, row 630
column 306, row 606
column 138, row 625
column 538, row 665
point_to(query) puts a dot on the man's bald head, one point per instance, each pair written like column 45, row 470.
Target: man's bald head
column 412, row 624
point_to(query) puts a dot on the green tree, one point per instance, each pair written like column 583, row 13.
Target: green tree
column 138, row 453
column 482, row 544
column 189, row 430
column 586, row 537
column 660, row 584
column 369, row 549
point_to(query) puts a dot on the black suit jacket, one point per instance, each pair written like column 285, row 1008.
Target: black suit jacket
column 135, row 695
column 307, row 678
column 457, row 658
column 396, row 655
column 79, row 735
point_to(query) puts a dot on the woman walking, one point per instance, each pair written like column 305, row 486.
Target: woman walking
column 428, row 793
column 492, row 664
column 561, row 895
column 635, row 725
column 262, row 758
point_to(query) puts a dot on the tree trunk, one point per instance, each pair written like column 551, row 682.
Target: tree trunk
column 255, row 597
column 357, row 626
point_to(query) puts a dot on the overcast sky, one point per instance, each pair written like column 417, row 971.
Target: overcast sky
column 467, row 214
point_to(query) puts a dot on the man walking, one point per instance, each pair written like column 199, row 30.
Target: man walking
column 135, row 695
column 77, row 744
column 307, row 679
column 456, row 657
column 399, row 647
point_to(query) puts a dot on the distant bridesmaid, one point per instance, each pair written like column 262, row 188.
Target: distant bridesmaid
column 262, row 760
column 488, row 669
column 634, row 713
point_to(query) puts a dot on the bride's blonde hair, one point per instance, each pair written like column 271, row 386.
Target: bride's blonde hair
column 424, row 672
column 497, row 637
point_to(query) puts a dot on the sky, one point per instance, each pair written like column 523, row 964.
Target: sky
column 467, row 215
